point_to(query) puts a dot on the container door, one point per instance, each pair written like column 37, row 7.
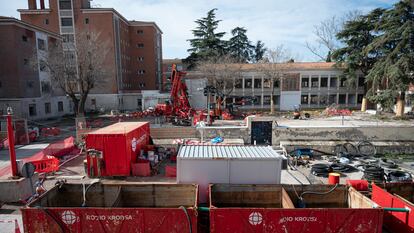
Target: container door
column 261, row 132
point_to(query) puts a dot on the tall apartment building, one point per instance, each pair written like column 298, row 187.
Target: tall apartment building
column 23, row 86
column 133, row 55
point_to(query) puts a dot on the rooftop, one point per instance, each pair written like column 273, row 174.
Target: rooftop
column 10, row 20
column 228, row 152
column 119, row 128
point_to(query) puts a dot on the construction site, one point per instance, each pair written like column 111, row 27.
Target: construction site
column 176, row 169
column 99, row 133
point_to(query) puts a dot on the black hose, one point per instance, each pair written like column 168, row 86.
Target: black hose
column 188, row 218
column 399, row 176
column 320, row 169
column 388, row 164
column 337, row 167
column 374, row 173
column 318, row 193
column 351, row 149
column 370, row 149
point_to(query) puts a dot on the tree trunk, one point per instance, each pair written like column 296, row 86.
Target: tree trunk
column 364, row 104
column 81, row 107
column 272, row 104
column 400, row 105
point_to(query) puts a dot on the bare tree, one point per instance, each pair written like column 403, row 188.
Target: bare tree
column 272, row 66
column 325, row 32
column 77, row 69
column 221, row 73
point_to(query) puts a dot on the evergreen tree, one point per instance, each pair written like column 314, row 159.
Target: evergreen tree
column 239, row 45
column 356, row 35
column 394, row 70
column 207, row 42
column 258, row 51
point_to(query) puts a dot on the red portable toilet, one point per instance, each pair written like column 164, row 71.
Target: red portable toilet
column 115, row 147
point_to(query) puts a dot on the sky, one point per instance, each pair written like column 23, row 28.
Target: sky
column 275, row 22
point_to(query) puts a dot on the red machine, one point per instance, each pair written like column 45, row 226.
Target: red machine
column 178, row 110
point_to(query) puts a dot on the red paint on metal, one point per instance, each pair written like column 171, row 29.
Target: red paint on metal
column 120, row 144
column 394, row 221
column 359, row 185
column 141, row 168
column 12, row 151
column 146, row 220
column 269, row 220
column 170, row 171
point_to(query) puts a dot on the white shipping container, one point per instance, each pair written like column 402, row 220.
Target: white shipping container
column 229, row 164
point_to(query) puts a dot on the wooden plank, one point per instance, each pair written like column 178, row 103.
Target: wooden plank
column 358, row 200
column 286, row 201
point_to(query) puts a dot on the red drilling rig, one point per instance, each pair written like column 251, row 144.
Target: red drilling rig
column 178, row 110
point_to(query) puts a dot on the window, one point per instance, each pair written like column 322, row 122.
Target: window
column 324, row 81
column 47, row 108
column 60, row 106
column 304, row 99
column 42, row 65
column 140, row 45
column 140, row 32
column 332, row 99
column 361, row 81
column 315, row 81
column 276, row 99
column 65, row 4
column 266, row 100
column 276, row 83
column 314, row 99
column 343, row 82
column 65, row 22
column 41, row 45
column 238, row 83
column 248, row 83
column 342, row 99
column 68, row 38
column 359, row 98
column 142, row 85
column 351, row 99
column 323, row 100
column 46, row 21
column 25, row 61
column 305, row 81
column 257, row 83
column 93, row 101
column 140, row 58
column 45, row 87
column 29, row 84
column 86, row 20
column 266, row 83
column 0, row 84
column 141, row 71
column 334, row 82
column 24, row 38
column 32, row 110
column 88, row 37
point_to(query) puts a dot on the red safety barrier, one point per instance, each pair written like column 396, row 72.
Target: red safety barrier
column 48, row 164
column 53, row 131
column 170, row 171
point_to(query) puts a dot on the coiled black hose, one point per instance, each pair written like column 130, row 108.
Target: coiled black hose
column 374, row 173
column 399, row 176
column 366, row 148
column 320, row 169
column 388, row 164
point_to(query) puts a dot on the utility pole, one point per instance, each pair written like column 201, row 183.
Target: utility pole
column 10, row 135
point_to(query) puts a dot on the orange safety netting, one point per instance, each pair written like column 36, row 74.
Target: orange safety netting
column 56, row 149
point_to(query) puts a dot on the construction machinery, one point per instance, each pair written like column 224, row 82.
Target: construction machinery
column 178, row 110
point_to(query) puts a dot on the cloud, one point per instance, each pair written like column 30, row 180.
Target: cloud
column 273, row 21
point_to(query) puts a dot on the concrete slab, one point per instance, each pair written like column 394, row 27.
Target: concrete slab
column 16, row 190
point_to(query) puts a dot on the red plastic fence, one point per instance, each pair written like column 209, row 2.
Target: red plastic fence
column 43, row 157
column 49, row 164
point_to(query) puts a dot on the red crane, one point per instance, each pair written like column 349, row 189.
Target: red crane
column 178, row 110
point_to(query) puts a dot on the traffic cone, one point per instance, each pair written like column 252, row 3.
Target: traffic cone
column 16, row 227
